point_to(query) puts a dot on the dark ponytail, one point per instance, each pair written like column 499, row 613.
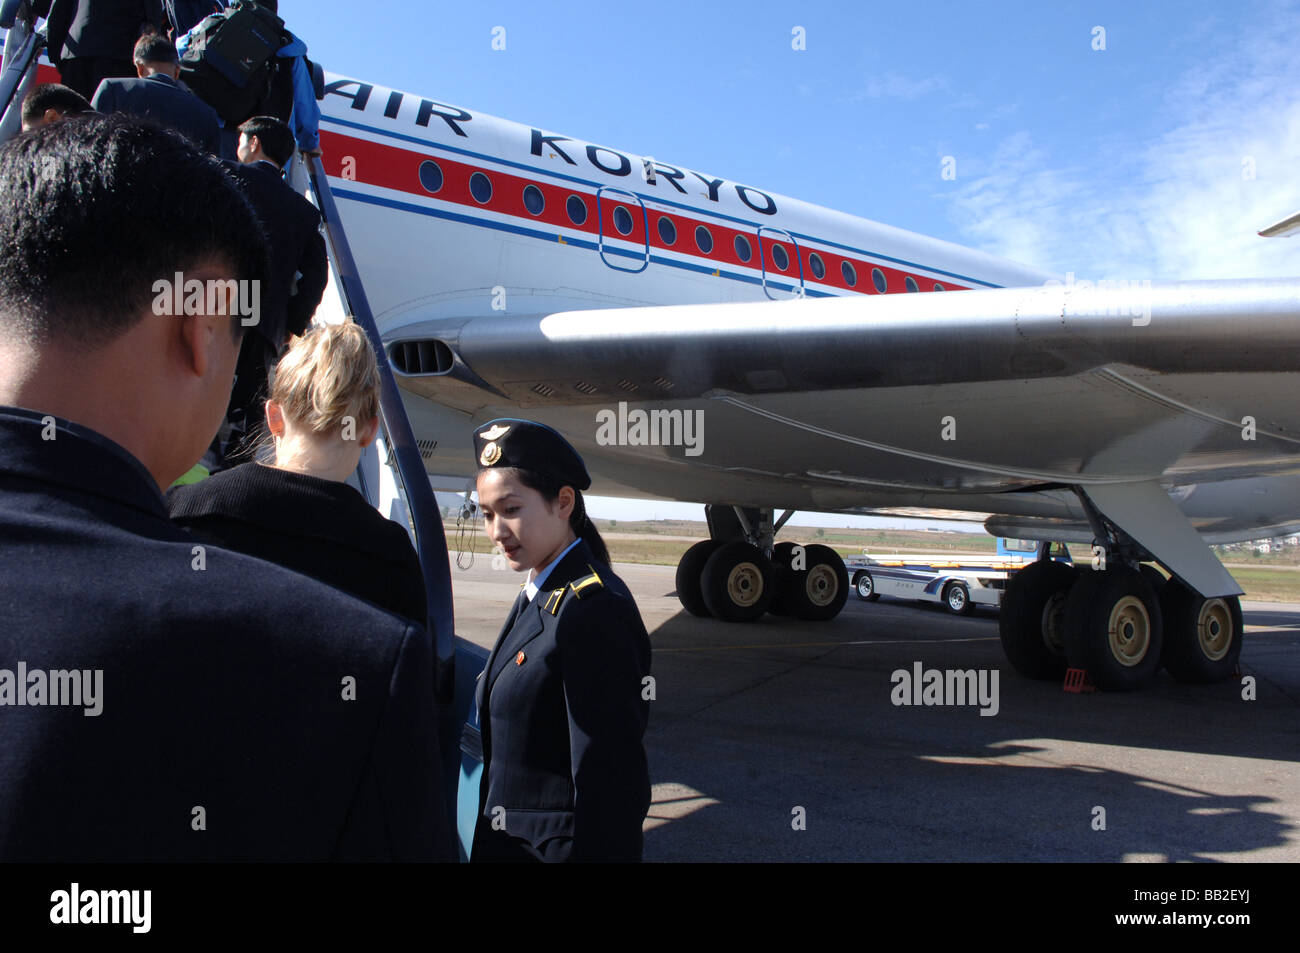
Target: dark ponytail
column 584, row 527
column 579, row 521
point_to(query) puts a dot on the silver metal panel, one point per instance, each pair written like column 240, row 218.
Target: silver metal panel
column 1146, row 513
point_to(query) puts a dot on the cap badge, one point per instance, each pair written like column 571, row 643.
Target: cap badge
column 495, row 433
column 490, row 455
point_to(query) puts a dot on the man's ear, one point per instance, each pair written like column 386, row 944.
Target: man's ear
column 51, row 115
column 195, row 333
column 140, row 71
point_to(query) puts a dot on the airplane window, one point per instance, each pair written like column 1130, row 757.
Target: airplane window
column 667, row 230
column 818, row 266
column 742, row 248
column 577, row 210
column 938, row 287
column 780, row 257
column 534, row 201
column 430, row 175
column 910, row 282
column 480, row 186
column 622, row 220
column 850, row 275
column 703, row 240
column 878, row 279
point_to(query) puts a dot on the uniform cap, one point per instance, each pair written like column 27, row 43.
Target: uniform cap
column 529, row 446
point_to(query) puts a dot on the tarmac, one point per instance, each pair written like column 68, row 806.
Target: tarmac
column 784, row 740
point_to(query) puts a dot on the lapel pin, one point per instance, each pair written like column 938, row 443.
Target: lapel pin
column 519, row 659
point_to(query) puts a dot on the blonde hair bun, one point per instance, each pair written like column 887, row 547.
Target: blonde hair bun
column 327, row 375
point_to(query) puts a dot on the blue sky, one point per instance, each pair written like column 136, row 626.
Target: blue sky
column 1159, row 156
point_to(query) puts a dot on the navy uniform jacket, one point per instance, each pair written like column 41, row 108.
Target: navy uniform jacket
column 222, row 689
column 562, row 720
column 165, row 101
column 293, row 228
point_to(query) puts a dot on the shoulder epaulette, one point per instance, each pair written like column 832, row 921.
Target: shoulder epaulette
column 581, row 588
column 585, row 583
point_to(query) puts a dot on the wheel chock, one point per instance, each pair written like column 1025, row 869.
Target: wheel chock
column 1077, row 681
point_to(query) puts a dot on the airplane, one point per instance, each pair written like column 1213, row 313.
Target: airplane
column 704, row 340
column 516, row 271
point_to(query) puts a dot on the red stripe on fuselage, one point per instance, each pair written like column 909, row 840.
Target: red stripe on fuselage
column 392, row 167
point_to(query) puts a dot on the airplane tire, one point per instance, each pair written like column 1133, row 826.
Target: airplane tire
column 865, row 586
column 689, row 571
column 1114, row 628
column 956, row 598
column 1030, row 621
column 782, row 556
column 1202, row 636
column 738, row 582
column 817, row 592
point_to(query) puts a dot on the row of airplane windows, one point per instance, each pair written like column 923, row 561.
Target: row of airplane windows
column 480, row 187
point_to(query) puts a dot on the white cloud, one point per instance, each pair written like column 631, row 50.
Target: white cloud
column 1178, row 207
column 896, row 86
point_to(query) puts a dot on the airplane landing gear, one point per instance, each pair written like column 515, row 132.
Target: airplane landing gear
column 1114, row 628
column 730, row 577
column 1202, row 636
column 737, row 582
column 689, row 570
column 1031, row 621
column 814, row 587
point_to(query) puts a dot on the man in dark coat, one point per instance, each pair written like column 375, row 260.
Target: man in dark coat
column 157, row 94
column 299, row 269
column 161, row 699
column 91, row 40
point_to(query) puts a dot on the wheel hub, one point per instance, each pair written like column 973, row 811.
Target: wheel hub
column 1129, row 631
column 1214, row 629
column 821, row 585
column 745, row 585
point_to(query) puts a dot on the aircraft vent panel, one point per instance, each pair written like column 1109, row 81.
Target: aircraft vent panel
column 421, row 357
column 627, row 385
column 543, row 391
column 426, row 448
column 582, row 387
column 663, row 382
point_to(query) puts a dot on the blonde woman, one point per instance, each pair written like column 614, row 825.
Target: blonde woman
column 297, row 510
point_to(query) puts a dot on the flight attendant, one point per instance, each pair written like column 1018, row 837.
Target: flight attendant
column 562, row 701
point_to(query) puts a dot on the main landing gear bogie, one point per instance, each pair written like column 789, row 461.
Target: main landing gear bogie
column 735, row 582
column 1121, row 625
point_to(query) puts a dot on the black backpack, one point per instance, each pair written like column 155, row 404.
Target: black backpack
column 230, row 59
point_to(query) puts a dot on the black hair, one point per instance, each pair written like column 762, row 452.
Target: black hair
column 53, row 96
column 549, row 487
column 273, row 134
column 95, row 210
column 154, row 48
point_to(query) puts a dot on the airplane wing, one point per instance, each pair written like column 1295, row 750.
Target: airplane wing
column 993, row 401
